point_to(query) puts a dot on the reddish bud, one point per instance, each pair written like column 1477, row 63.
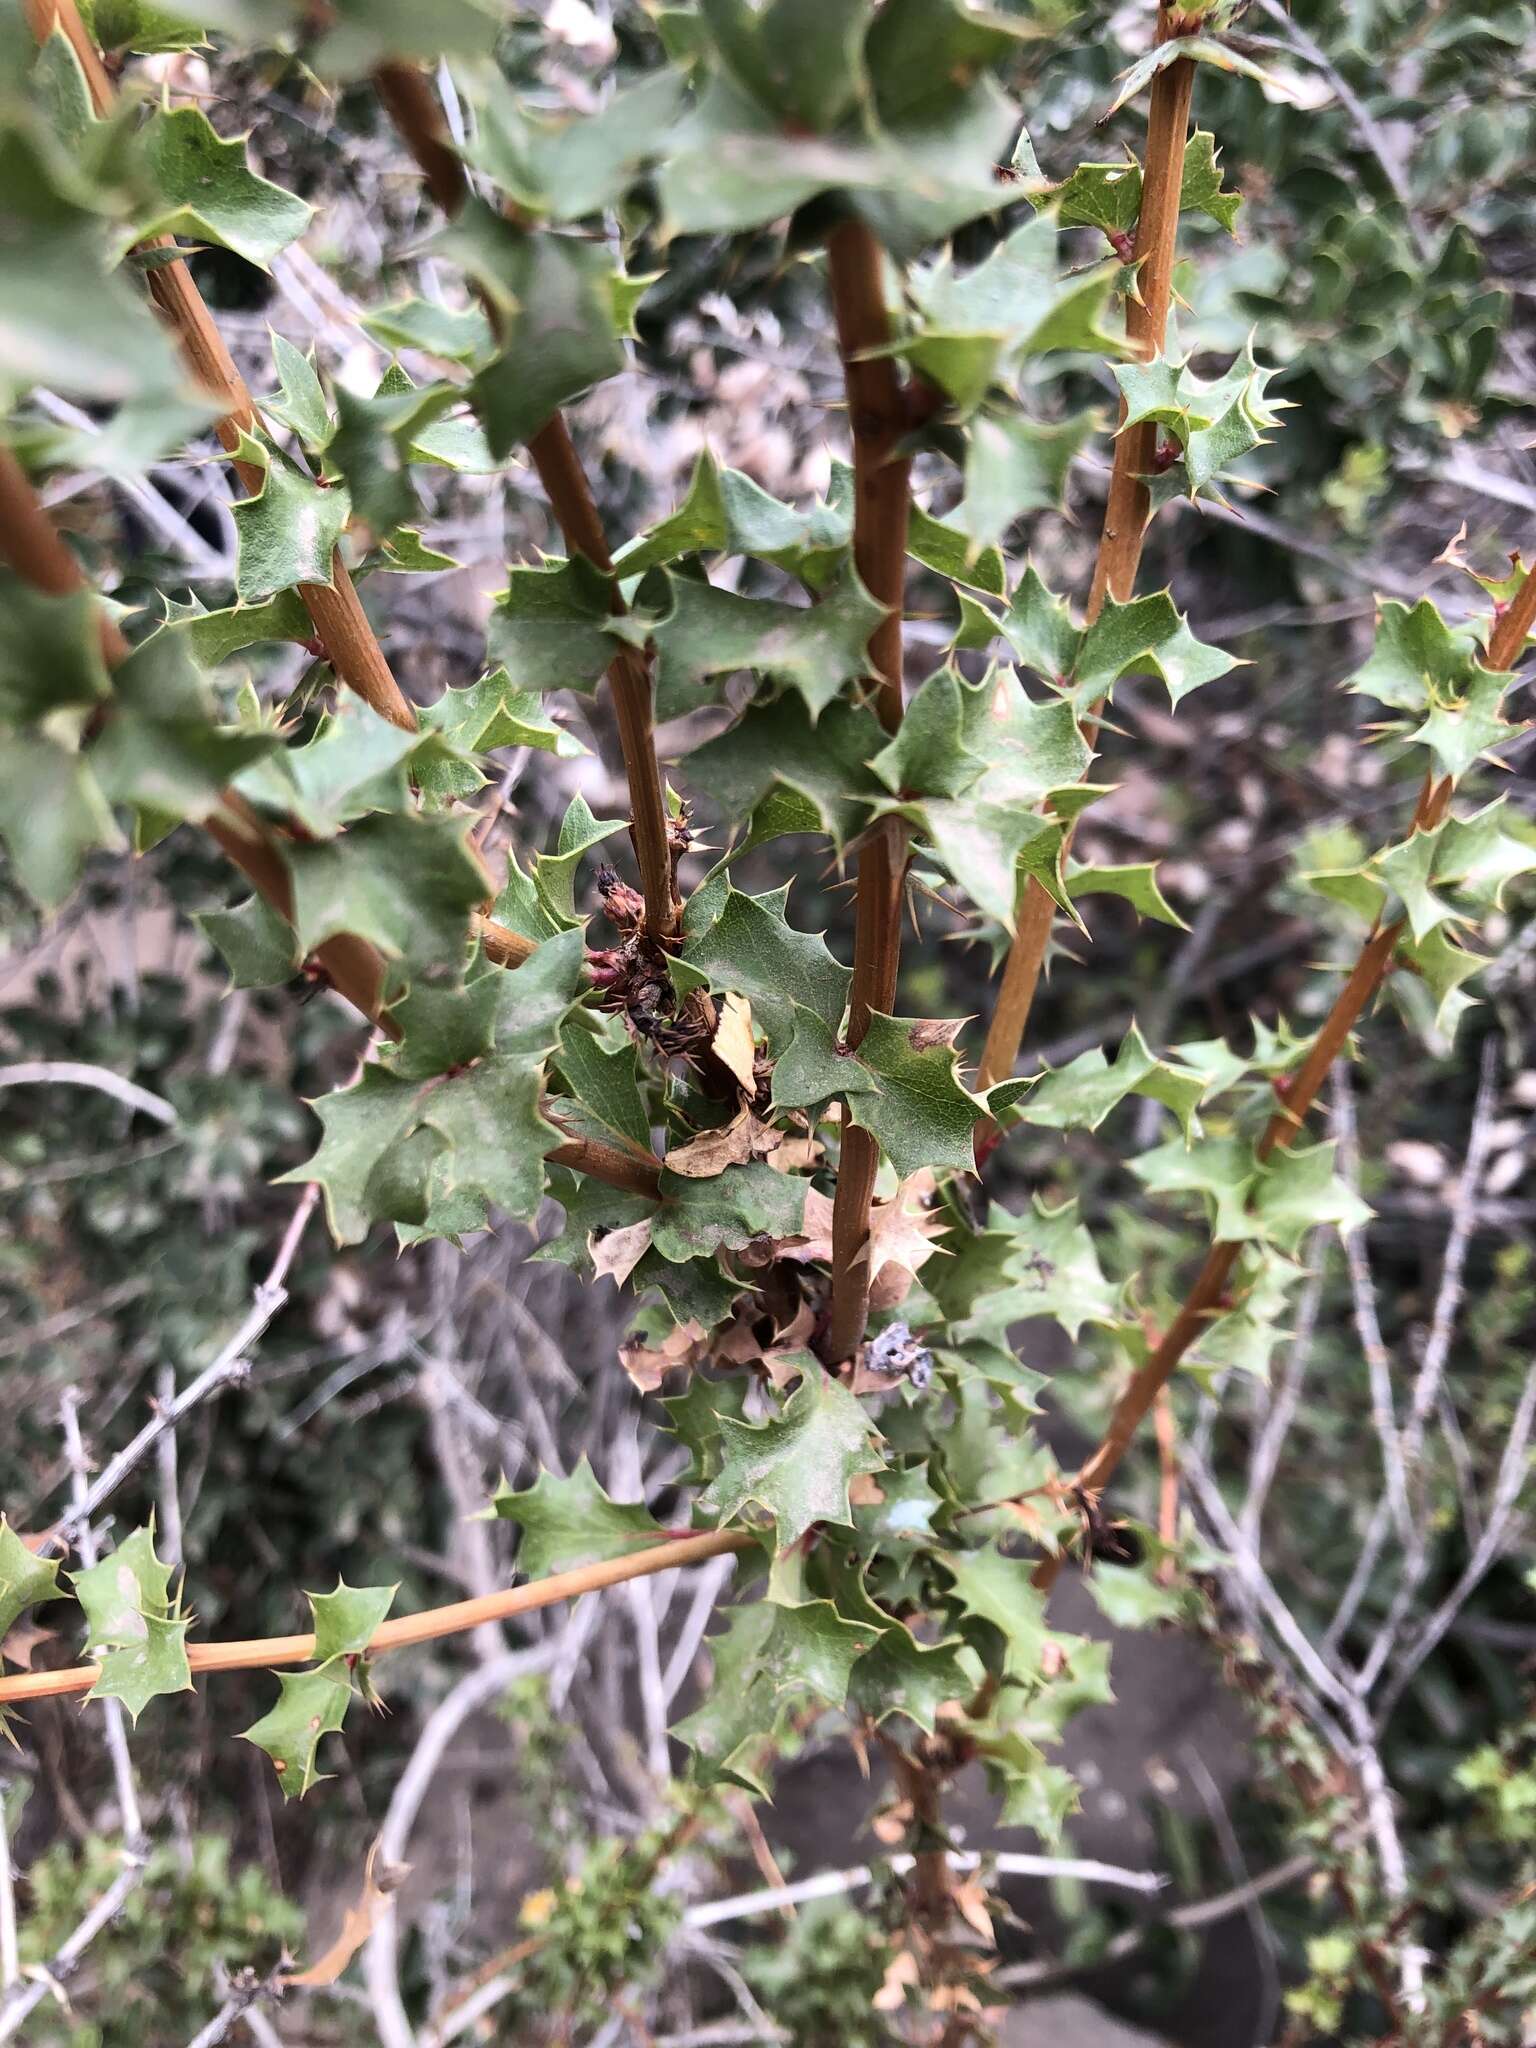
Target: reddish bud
column 1165, row 455
column 1122, row 242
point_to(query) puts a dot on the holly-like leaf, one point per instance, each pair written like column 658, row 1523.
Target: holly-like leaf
column 50, row 652
column 408, row 884
column 1212, row 425
column 1135, row 881
column 52, row 815
column 214, row 636
column 1081, row 1094
column 818, row 649
column 1041, row 1262
column 774, row 752
column 798, row 1466
column 565, row 166
column 1147, row 636
column 486, row 715
column 256, row 945
column 1013, row 466
column 203, row 188
column 917, row 1110
column 750, row 948
column 551, row 300
column 133, row 1629
column 999, row 1591
column 733, row 1733
column 287, row 532
column 900, row 1675
column 728, row 1212
column 311, row 1704
column 549, row 630
column 570, row 1522
column 1108, row 196
column 26, row 1580
column 353, row 763
column 347, row 1620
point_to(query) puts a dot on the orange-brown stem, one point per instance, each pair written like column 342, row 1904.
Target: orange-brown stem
column 1505, row 644
column 880, row 419
column 335, row 609
column 414, row 108
column 1127, row 506
column 265, row 1652
column 31, row 545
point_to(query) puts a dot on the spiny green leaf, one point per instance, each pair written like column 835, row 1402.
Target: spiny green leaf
column 407, row 884
column 1108, row 196
column 733, row 1209
column 565, row 166
column 353, row 763
column 798, row 1466
column 347, row 1620
column 256, row 945
column 52, row 815
column 918, row 1111
column 774, row 750
column 549, row 630
column 1146, row 636
column 998, row 1590
column 735, row 1730
column 1082, row 1093
column 751, row 948
column 26, row 1580
column 1041, row 1262
column 818, row 649
column 287, row 532
column 1013, row 466
column 572, row 1521
column 310, row 1704
column 134, row 1631
column 1135, row 881
column 552, row 306
column 50, row 652
column 204, row 189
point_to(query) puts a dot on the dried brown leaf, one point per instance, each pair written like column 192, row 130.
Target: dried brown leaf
column 380, row 1883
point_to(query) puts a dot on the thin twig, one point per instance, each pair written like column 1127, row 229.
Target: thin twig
column 56, row 1973
column 78, row 1074
column 1264, row 1461
column 1367, row 1323
column 264, row 1652
column 831, row 1884
column 112, row 1709
column 231, row 1365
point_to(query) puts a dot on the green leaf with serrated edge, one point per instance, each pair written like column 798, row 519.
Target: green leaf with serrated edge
column 817, row 649
column 202, row 187
column 691, row 1291
column 693, row 1417
column 214, row 636
column 1441, row 967
column 1195, row 49
column 1459, row 731
column 798, row 1466
column 1408, row 870
column 121, row 1590
column 903, row 1515
column 161, row 751
column 1133, row 1598
column 1040, row 1796
column 554, row 874
column 567, row 166
column 922, row 56
column 69, row 324
column 26, row 1580
column 404, row 553
column 802, row 64
column 492, row 713
column 591, row 1209
column 1014, row 466
column 606, row 1082
column 899, row 1675
column 287, row 533
column 52, row 815
column 299, row 402
column 1041, row 1262
column 997, row 1590
column 520, row 906
column 1213, row 424
column 751, row 948
column 1222, row 1170
column 1478, row 858
column 952, row 551
column 1108, row 196
column 353, row 763
column 407, row 884
column 311, row 1704
column 698, row 1218
column 974, row 327
column 1147, row 636
column 255, row 944
column 369, row 451
column 346, row 1620
column 133, row 1630
column 549, row 628
column 813, row 1067
column 1299, row 1189
column 734, row 1732
column 938, row 749
column 496, row 1135
column 455, row 335
column 917, row 1111
column 777, row 745
column 551, row 304
column 572, row 1521
column 1081, row 1094
column 429, row 424
column 1135, row 881
column 50, row 651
